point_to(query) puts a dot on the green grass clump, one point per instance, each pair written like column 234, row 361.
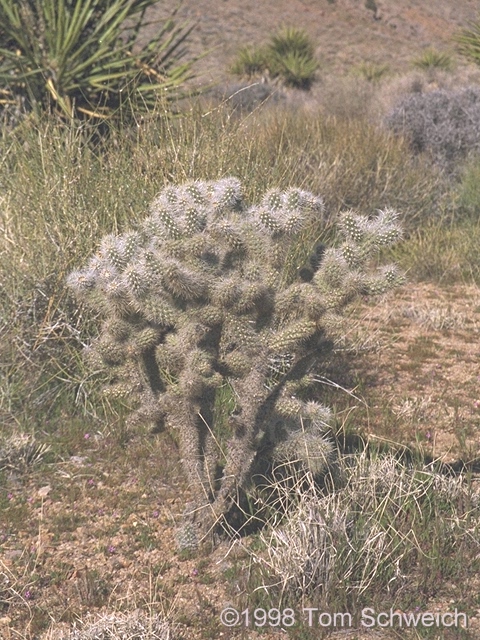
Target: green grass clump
column 442, row 251
column 468, row 42
column 468, row 190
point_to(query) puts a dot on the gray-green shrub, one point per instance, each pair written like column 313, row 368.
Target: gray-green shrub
column 444, row 123
column 197, row 298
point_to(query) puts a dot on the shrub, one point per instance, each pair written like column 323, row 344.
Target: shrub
column 433, row 59
column 289, row 55
column 80, row 56
column 444, row 123
column 468, row 41
column 196, row 300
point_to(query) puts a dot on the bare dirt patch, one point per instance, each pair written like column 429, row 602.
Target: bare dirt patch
column 416, row 369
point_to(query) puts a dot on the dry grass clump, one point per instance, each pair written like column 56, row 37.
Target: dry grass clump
column 118, row 626
column 21, row 450
column 372, row 532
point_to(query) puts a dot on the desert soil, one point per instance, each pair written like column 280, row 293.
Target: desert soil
column 346, row 32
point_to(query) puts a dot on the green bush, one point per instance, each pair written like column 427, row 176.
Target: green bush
column 290, row 55
column 80, row 58
column 433, row 59
column 468, row 41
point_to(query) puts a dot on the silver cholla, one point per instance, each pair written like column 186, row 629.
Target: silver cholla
column 198, row 299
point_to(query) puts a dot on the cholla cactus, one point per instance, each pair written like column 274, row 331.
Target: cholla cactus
column 196, row 298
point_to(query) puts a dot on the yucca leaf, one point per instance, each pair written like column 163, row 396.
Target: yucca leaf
column 81, row 16
column 77, row 52
column 468, row 42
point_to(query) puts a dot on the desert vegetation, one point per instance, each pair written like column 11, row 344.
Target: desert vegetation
column 214, row 389
column 289, row 55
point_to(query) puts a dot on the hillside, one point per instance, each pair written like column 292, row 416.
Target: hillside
column 346, row 32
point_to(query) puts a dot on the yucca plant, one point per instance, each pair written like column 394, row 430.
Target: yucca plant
column 250, row 61
column 80, row 57
column 296, row 69
column 433, row 59
column 468, row 42
column 291, row 40
column 291, row 56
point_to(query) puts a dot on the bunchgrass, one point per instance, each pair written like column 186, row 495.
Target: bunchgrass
column 385, row 535
column 442, row 251
column 468, row 190
column 371, row 71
